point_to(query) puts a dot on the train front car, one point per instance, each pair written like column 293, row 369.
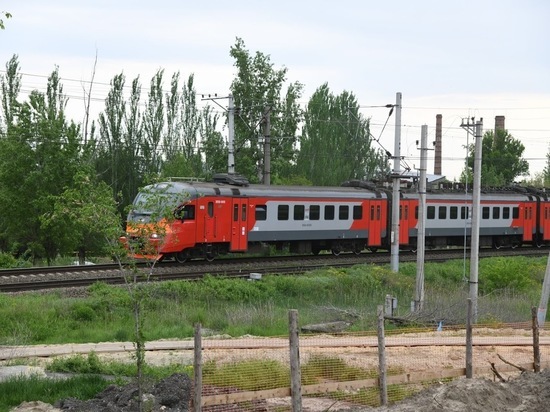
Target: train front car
column 156, row 222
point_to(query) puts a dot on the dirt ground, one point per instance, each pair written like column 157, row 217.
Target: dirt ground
column 520, row 392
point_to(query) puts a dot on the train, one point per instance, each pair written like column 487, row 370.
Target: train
column 229, row 215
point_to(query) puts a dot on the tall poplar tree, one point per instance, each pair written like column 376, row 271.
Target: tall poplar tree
column 336, row 143
column 258, row 86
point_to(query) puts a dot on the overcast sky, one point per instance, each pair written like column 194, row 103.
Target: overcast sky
column 459, row 59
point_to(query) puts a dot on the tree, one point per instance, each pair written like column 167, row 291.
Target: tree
column 87, row 213
column 336, row 134
column 259, row 85
column 11, row 86
column 501, row 160
column 153, row 126
column 546, row 172
column 7, row 16
column 38, row 158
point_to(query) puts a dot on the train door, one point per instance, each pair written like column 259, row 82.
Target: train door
column 375, row 223
column 528, row 221
column 210, row 234
column 405, row 210
column 545, row 218
column 239, row 231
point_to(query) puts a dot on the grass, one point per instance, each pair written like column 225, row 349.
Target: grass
column 26, row 389
column 237, row 306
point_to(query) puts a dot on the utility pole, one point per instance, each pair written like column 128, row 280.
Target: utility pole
column 231, row 135
column 396, row 192
column 267, row 146
column 231, row 127
column 476, row 208
column 419, row 294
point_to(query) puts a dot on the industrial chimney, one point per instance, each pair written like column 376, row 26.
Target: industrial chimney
column 438, row 155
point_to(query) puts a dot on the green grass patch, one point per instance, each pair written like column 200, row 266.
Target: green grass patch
column 16, row 390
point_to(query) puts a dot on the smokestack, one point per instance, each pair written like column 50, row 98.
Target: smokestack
column 499, row 123
column 438, row 156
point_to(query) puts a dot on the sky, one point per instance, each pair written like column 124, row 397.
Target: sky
column 461, row 59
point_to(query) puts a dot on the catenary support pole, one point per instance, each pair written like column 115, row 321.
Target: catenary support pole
column 476, row 209
column 396, row 179
column 231, row 135
column 420, row 247
column 541, row 313
column 267, row 146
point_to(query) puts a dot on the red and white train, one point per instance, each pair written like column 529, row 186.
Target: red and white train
column 228, row 215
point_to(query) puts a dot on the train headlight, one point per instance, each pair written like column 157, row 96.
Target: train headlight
column 155, row 236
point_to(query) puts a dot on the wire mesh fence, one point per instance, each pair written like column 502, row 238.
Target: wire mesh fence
column 342, row 370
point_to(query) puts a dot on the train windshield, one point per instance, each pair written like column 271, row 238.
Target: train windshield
column 155, row 203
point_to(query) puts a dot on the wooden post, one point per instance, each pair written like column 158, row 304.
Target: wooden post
column 382, row 357
column 197, row 366
column 469, row 344
column 536, row 346
column 295, row 372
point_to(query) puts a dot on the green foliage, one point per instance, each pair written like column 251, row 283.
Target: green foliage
column 258, row 92
column 518, row 274
column 336, row 133
column 333, row 369
column 16, row 390
column 7, row 16
column 248, row 375
column 501, row 159
column 7, row 260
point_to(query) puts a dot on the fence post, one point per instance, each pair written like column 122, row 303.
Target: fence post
column 197, row 367
column 295, row 372
column 469, row 344
column 382, row 357
column 536, row 346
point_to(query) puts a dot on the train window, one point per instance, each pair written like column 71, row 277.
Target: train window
column 211, row 209
column 496, row 212
column 378, row 213
column 357, row 212
column 515, row 212
column 329, row 212
column 372, row 213
column 454, row 212
column 400, row 212
column 343, row 212
column 188, row 212
column 464, row 213
column 243, row 213
column 261, row 212
column 485, row 212
column 506, row 213
column 235, row 213
column 299, row 212
column 282, row 212
column 431, row 212
column 314, row 212
column 442, row 212
column 416, row 212
column 406, row 212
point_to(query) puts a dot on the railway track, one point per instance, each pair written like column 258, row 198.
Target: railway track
column 20, row 280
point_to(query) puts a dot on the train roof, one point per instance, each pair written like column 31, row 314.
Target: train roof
column 198, row 189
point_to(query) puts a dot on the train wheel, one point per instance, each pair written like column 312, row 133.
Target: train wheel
column 181, row 257
column 210, row 257
column 315, row 251
column 373, row 249
column 336, row 252
column 357, row 250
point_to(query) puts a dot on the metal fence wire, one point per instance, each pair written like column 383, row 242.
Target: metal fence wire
column 342, row 371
